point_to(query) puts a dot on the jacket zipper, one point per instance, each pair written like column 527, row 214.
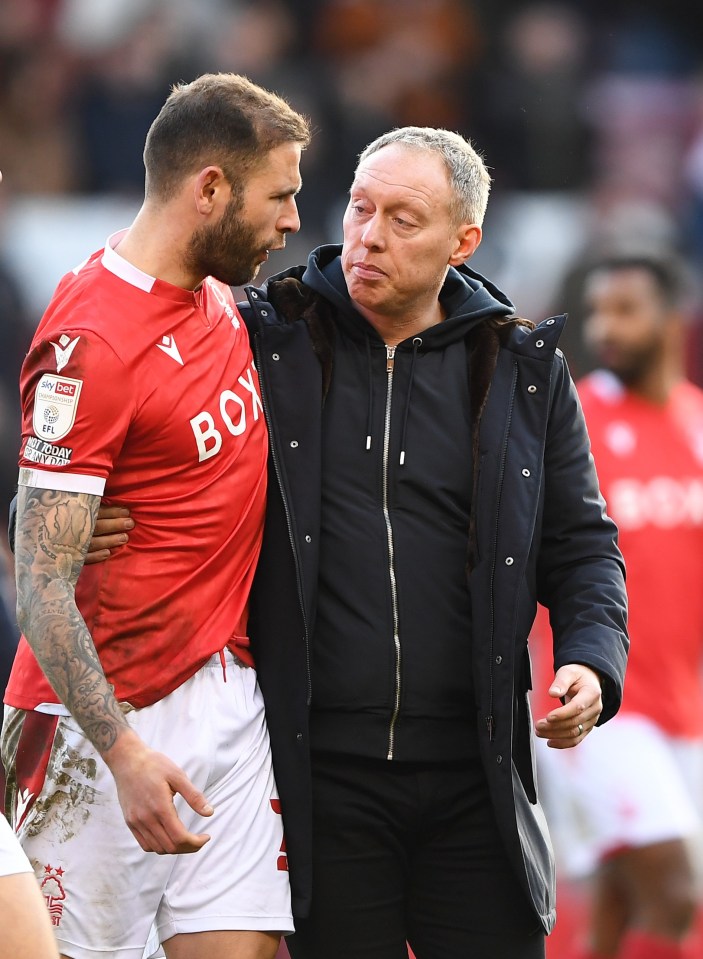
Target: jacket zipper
column 390, row 361
column 490, row 722
column 287, row 511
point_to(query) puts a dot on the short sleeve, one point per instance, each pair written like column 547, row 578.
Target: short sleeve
column 77, row 405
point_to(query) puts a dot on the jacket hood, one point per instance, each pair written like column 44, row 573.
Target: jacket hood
column 466, row 296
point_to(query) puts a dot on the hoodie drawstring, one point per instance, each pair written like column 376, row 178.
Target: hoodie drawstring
column 369, row 418
column 417, row 343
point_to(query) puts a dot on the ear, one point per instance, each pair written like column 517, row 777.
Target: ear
column 210, row 187
column 466, row 242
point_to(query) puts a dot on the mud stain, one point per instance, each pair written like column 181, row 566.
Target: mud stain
column 68, row 794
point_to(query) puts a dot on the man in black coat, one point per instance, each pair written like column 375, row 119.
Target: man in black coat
column 430, row 482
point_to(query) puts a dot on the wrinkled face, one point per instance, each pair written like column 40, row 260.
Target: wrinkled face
column 399, row 237
column 254, row 221
column 625, row 325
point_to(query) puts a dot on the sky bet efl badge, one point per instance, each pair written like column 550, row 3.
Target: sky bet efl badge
column 55, row 405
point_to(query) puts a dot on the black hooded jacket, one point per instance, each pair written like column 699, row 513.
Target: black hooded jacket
column 398, row 584
column 391, row 647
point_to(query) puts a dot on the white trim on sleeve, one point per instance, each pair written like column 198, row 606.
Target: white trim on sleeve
column 66, row 482
column 52, row 709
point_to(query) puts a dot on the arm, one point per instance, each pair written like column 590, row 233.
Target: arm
column 111, row 530
column 53, row 530
column 580, row 575
column 52, row 535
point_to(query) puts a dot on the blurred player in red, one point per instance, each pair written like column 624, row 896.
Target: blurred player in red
column 132, row 697
column 627, row 803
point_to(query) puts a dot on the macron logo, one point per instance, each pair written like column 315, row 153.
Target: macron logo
column 168, row 345
column 63, row 350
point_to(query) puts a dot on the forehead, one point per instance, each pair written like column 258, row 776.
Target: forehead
column 280, row 167
column 631, row 283
column 399, row 170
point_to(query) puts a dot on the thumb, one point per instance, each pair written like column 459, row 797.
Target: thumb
column 563, row 679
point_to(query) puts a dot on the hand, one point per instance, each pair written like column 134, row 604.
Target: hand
column 146, row 784
column 110, row 532
column 569, row 724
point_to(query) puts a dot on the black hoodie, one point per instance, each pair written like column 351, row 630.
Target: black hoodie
column 538, row 533
column 391, row 651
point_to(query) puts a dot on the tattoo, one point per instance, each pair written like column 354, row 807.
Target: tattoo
column 53, row 533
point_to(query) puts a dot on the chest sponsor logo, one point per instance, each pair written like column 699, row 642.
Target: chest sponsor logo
column 620, row 438
column 233, row 409
column 55, row 406
column 662, row 502
column 63, row 350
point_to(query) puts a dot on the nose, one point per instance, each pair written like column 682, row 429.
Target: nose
column 372, row 234
column 597, row 327
column 289, row 220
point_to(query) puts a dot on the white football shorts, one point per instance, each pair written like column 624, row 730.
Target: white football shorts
column 628, row 784
column 105, row 895
column 12, row 857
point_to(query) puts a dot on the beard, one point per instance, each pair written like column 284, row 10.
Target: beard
column 229, row 251
column 633, row 367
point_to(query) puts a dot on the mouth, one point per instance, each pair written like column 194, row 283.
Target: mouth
column 366, row 271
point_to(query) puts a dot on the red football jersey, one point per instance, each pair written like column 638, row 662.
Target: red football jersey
column 649, row 460
column 146, row 394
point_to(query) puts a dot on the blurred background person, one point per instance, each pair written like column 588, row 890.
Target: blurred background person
column 629, row 805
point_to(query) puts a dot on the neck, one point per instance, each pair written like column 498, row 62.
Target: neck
column 154, row 244
column 396, row 328
column 657, row 385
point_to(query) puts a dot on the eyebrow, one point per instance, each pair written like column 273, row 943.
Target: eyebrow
column 289, row 191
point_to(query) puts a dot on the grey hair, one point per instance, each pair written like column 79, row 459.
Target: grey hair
column 468, row 174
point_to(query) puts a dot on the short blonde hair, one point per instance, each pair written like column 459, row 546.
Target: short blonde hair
column 468, row 174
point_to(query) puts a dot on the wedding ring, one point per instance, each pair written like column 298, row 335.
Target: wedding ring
column 580, row 729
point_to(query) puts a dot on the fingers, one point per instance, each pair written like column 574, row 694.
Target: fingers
column 168, row 836
column 566, row 726
column 98, row 557
column 100, row 549
column 564, row 737
column 195, row 799
column 161, row 830
column 147, row 782
column 570, row 724
column 111, row 530
column 112, row 512
column 113, row 525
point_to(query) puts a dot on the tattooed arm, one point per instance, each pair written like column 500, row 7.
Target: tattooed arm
column 53, row 531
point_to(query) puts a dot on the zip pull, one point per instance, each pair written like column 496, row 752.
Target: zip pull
column 491, row 728
column 390, row 358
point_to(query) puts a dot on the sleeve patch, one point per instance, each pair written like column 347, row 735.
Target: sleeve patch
column 55, row 406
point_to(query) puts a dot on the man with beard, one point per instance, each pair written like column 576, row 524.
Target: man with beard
column 626, row 804
column 430, row 481
column 133, row 708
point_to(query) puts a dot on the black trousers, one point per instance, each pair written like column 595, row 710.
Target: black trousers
column 410, row 853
